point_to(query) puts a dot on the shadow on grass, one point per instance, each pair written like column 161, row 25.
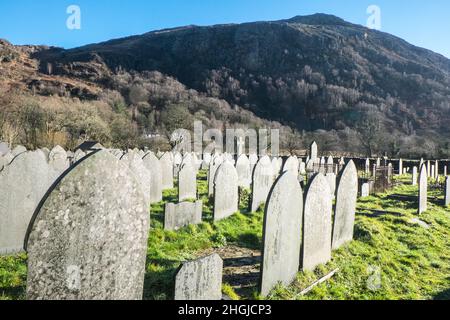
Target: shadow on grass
column 159, row 281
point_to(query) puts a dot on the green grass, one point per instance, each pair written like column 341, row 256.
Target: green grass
column 390, row 258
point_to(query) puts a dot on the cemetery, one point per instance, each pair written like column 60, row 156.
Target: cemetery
column 103, row 224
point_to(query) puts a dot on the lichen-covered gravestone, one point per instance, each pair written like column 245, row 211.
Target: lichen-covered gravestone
column 243, row 170
column 263, row 179
column 23, row 184
column 133, row 161
column 153, row 165
column 226, row 191
column 282, row 233
column 166, row 162
column 182, row 214
column 200, row 279
column 89, row 240
column 346, row 196
column 317, row 224
column 187, row 182
column 423, row 189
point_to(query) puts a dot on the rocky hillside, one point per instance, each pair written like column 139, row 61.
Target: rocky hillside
column 312, row 73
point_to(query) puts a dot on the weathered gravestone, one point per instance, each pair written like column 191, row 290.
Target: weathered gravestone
column 89, row 238
column 58, row 159
column 317, row 224
column 153, row 165
column 182, row 214
column 18, row 150
column 414, row 176
column 447, row 191
column 330, row 161
column 243, row 170
column 4, row 148
column 226, row 197
column 400, row 166
column 346, row 195
column 166, row 171
column 200, row 279
column 331, row 179
column 313, row 152
column 292, row 165
column 137, row 168
column 282, row 233
column 263, row 179
column 423, row 189
column 365, row 190
column 23, row 184
column 187, row 182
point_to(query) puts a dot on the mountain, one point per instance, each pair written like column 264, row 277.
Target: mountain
column 312, row 73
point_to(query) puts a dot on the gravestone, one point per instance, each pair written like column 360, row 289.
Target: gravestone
column 135, row 164
column 89, row 239
column 213, row 166
column 18, row 150
column 436, row 169
column 346, row 196
column 262, row 182
column 365, row 190
column 200, row 279
column 5, row 160
column 445, row 171
column 243, row 170
column 277, row 164
column 400, row 167
column 166, row 163
column 317, row 224
column 367, row 166
column 330, row 161
column 58, row 159
column 423, row 189
column 302, row 169
column 78, row 155
column 177, row 160
column 414, row 176
column 226, row 198
column 331, row 179
column 282, row 233
column 23, row 184
column 187, row 182
column 153, row 165
column 432, row 173
column 313, row 152
column 447, row 191
column 182, row 214
column 292, row 165
column 428, row 168
column 253, row 161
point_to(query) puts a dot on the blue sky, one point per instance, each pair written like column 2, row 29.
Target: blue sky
column 423, row 23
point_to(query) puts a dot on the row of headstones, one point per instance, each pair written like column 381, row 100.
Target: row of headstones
column 422, row 180
column 298, row 230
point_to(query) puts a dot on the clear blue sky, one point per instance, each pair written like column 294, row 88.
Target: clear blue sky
column 423, row 23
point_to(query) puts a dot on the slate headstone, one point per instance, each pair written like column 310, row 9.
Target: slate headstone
column 317, row 224
column 187, row 182
column 346, row 196
column 262, row 182
column 226, row 197
column 282, row 233
column 200, row 279
column 153, row 165
column 89, row 239
column 135, row 164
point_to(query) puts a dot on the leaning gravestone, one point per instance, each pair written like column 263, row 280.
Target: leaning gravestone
column 89, row 238
column 58, row 159
column 153, row 165
column 166, row 171
column 317, row 224
column 243, row 170
column 226, row 198
column 23, row 184
column 200, row 279
column 187, row 182
column 282, row 233
column 182, row 214
column 447, row 191
column 423, row 189
column 133, row 161
column 346, row 195
column 263, row 179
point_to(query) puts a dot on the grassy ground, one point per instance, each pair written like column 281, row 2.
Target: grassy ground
column 392, row 257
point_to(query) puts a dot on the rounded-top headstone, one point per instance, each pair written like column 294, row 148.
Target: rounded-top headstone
column 317, row 223
column 134, row 162
column 263, row 179
column 346, row 196
column 423, row 189
column 282, row 233
column 89, row 239
column 243, row 170
column 226, row 191
column 292, row 165
column 166, row 162
column 153, row 165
